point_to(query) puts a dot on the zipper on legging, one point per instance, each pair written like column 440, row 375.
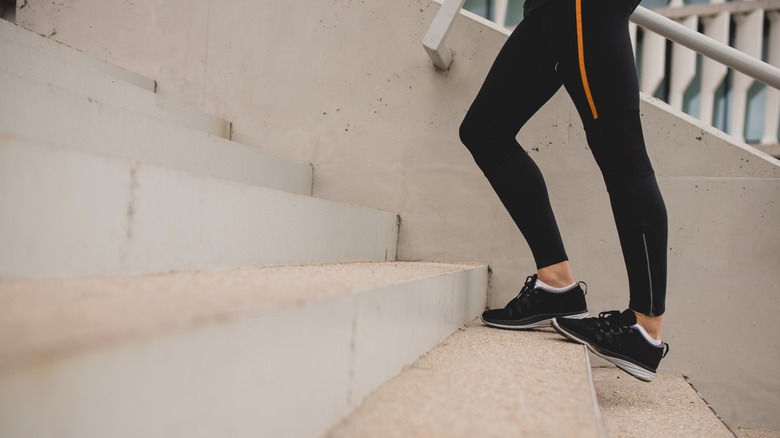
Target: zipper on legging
column 649, row 274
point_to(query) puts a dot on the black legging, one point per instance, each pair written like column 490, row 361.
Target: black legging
column 583, row 45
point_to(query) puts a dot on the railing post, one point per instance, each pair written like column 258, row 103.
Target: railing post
column 653, row 62
column 501, row 7
column 772, row 107
column 435, row 40
column 684, row 67
column 748, row 40
column 713, row 72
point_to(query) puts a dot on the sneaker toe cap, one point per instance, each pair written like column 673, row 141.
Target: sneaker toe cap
column 496, row 315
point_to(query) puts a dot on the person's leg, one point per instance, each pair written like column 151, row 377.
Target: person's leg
column 521, row 80
column 597, row 68
column 557, row 275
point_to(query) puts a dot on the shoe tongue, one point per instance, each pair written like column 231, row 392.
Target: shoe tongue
column 628, row 317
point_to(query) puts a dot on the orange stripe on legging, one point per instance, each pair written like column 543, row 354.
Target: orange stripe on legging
column 581, row 51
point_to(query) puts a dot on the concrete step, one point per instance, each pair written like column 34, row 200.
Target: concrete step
column 282, row 351
column 485, row 382
column 57, row 67
column 668, row 407
column 43, row 111
column 11, row 32
column 749, row 432
column 65, row 212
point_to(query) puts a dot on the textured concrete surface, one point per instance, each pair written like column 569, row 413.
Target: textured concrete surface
column 242, row 353
column 666, row 407
column 743, row 432
column 485, row 382
column 46, row 317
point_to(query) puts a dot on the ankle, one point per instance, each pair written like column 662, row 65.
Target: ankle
column 557, row 275
column 651, row 324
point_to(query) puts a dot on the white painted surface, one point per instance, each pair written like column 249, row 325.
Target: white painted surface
column 71, row 213
column 46, row 112
column 290, row 371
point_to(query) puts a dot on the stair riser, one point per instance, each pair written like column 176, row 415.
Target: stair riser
column 17, row 34
column 291, row 372
column 68, row 213
column 39, row 65
column 49, row 113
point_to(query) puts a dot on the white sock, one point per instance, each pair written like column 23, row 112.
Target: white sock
column 647, row 337
column 556, row 290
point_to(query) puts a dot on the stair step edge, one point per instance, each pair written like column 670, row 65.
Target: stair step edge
column 67, row 212
column 30, row 38
column 59, row 116
column 42, row 67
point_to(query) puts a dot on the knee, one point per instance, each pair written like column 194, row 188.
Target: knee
column 469, row 132
column 473, row 136
column 484, row 140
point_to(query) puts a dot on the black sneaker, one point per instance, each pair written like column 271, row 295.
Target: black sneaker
column 612, row 337
column 533, row 307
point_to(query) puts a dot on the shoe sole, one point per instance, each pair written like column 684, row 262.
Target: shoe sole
column 536, row 324
column 631, row 368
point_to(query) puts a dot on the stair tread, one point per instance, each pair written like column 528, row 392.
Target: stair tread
column 668, row 406
column 483, row 382
column 49, row 317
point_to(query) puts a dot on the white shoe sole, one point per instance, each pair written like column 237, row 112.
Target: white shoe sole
column 631, row 368
column 537, row 324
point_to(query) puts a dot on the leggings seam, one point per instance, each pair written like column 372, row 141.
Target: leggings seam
column 649, row 272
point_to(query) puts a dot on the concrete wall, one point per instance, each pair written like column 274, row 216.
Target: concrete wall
column 347, row 86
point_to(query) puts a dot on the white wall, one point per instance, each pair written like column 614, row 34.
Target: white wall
column 345, row 84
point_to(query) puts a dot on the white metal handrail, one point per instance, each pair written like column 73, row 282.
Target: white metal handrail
column 435, row 42
column 670, row 29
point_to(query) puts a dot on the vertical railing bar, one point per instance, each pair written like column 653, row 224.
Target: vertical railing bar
column 435, row 40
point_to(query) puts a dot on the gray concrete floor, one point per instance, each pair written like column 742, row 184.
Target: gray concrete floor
column 743, row 432
column 488, row 383
column 666, row 407
column 58, row 316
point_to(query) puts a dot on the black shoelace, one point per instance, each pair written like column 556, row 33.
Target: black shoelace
column 609, row 328
column 529, row 297
column 526, row 299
